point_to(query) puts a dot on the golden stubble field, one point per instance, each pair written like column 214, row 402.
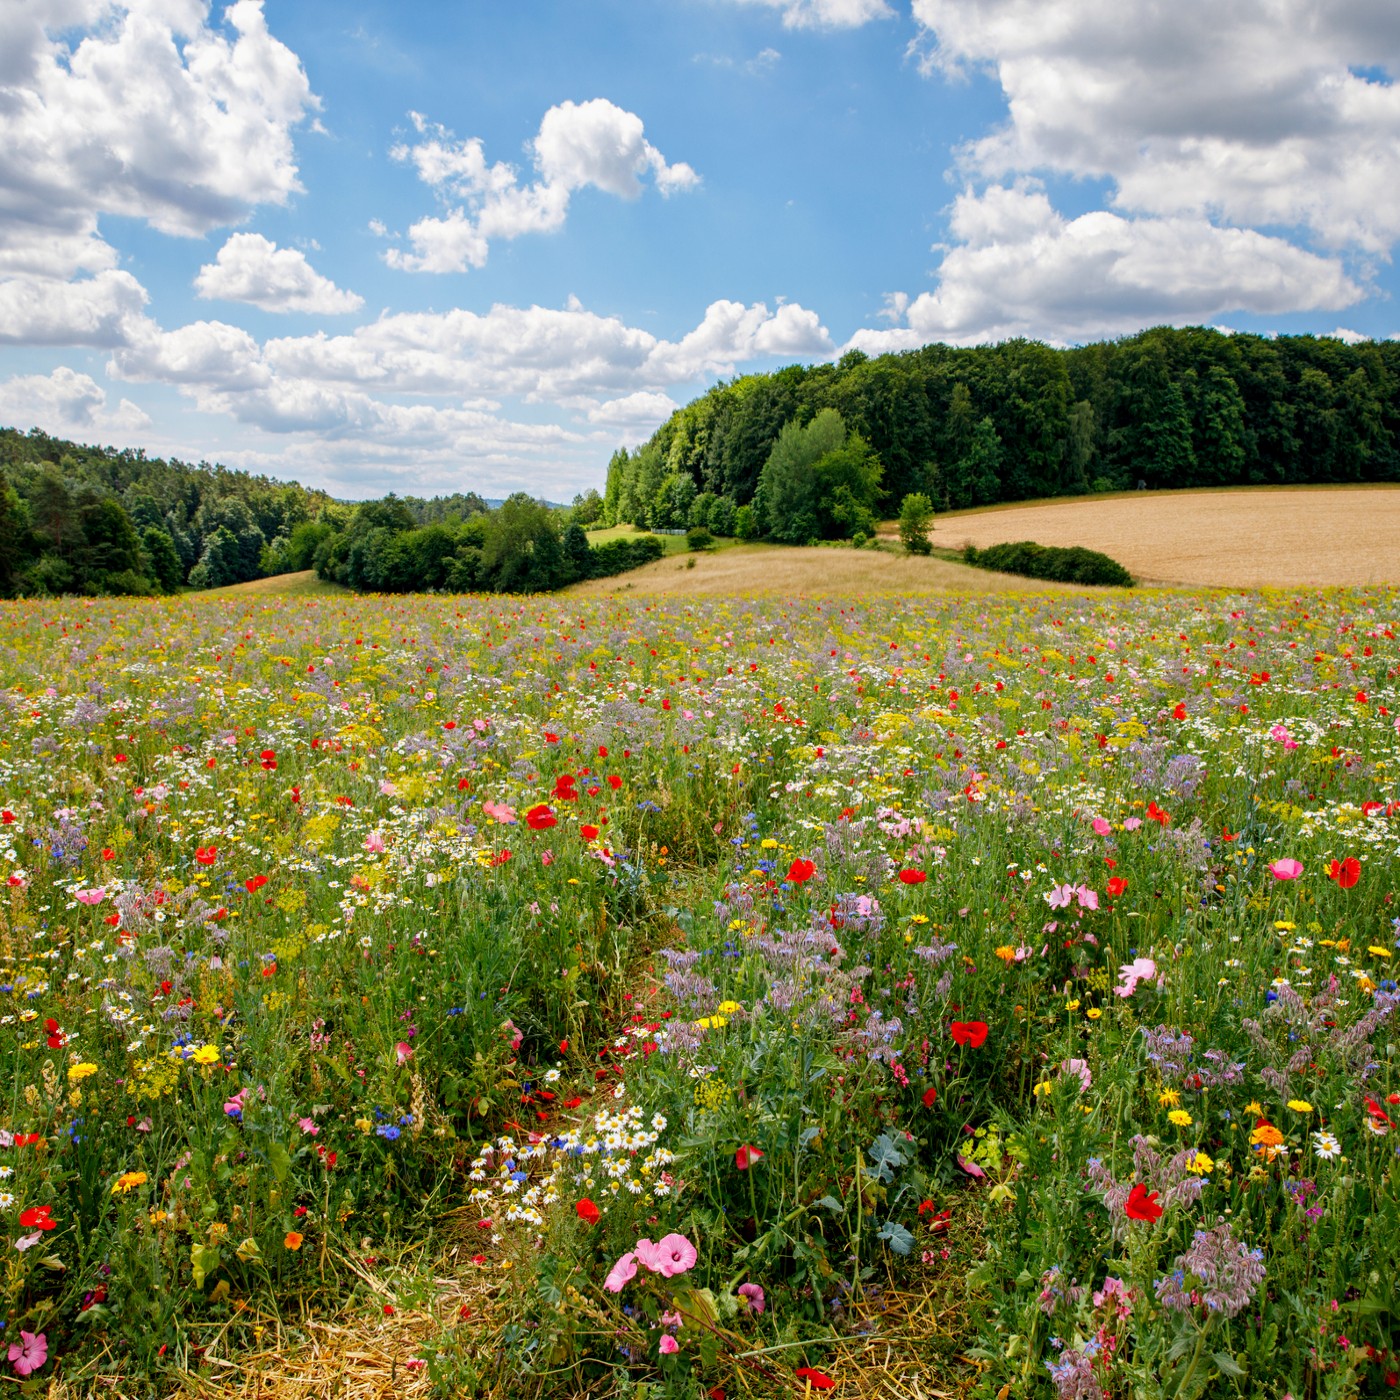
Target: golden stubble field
column 794, row 571
column 1284, row 537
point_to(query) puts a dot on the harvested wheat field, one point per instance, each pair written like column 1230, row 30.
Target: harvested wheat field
column 1286, row 537
column 806, row 572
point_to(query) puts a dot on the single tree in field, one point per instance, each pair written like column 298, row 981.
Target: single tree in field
column 915, row 518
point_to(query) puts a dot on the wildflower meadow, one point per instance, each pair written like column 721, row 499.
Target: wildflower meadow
column 691, row 984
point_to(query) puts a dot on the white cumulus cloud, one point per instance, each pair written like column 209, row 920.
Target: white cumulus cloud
column 252, row 269
column 141, row 109
column 96, row 311
column 579, row 145
column 1254, row 114
column 1020, row 268
column 67, row 403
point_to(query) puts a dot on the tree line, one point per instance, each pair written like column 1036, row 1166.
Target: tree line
column 97, row 520
column 522, row 546
column 816, row 451
column 77, row 519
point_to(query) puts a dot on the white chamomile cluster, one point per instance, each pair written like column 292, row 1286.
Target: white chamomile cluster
column 616, row 1152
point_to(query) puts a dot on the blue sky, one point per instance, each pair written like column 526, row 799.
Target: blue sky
column 477, row 245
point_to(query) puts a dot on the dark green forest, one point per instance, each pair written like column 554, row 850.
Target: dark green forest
column 1010, row 422
column 94, row 520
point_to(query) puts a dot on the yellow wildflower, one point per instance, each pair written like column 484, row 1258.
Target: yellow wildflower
column 128, row 1181
column 1169, row 1098
column 81, row 1071
column 1179, row 1117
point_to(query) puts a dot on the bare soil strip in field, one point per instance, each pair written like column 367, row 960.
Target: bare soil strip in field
column 793, row 571
column 1283, row 537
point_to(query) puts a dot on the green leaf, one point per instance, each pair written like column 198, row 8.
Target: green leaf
column 897, row 1237
column 280, row 1160
column 832, row 1204
column 1225, row 1363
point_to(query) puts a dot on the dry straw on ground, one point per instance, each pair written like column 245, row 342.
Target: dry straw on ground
column 1286, row 537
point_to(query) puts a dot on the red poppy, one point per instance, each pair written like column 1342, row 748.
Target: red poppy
column 1345, row 872
column 6, row 817
column 1142, row 1204
column 1116, row 886
column 589, row 833
column 108, row 853
column 564, row 790
column 540, row 817
column 745, row 1157
column 1156, row 814
column 206, row 855
column 973, row 1033
column 1180, row 711
column 254, row 883
column 28, row 1140
column 800, row 871
column 38, row 1218
column 614, row 782
column 1376, row 1111
column 588, row 1212
column 818, row 1380
column 912, row 877
column 930, row 1097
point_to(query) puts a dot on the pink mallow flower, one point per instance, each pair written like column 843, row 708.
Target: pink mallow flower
column 752, row 1294
column 29, row 1353
column 669, row 1344
column 621, row 1272
column 403, row 1051
column 1101, row 827
column 1139, row 970
column 1279, row 733
column 669, row 1256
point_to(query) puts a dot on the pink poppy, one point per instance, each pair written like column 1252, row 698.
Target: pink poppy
column 1286, row 869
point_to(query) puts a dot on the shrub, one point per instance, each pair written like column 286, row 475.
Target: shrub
column 1072, row 565
column 698, row 537
column 915, row 517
